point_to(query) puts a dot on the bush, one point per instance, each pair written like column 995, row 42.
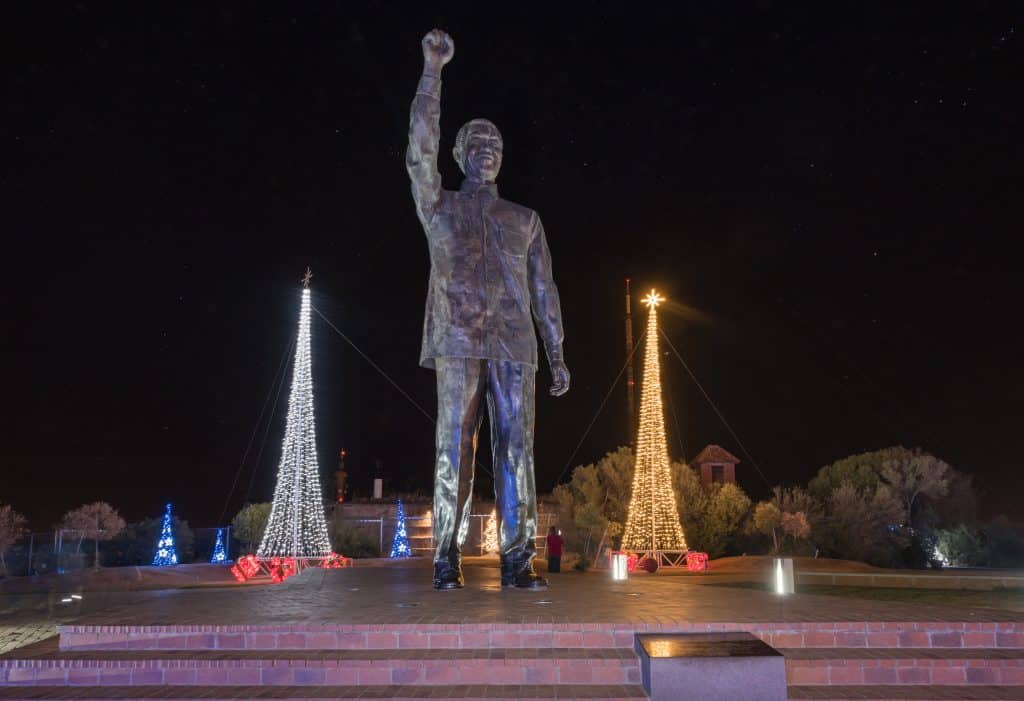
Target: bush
column 248, row 525
column 962, row 546
column 1005, row 543
column 352, row 542
column 573, row 561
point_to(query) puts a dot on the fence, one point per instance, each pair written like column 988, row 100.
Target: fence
column 421, row 533
column 66, row 550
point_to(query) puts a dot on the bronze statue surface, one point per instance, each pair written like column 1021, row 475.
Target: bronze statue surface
column 490, row 280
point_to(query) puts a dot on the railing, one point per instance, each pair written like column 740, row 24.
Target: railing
column 419, row 530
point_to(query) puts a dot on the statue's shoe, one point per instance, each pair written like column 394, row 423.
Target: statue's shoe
column 447, row 576
column 528, row 579
column 520, row 575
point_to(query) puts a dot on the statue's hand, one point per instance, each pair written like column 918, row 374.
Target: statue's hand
column 438, row 49
column 559, row 378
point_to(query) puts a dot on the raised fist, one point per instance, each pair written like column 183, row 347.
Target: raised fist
column 438, row 49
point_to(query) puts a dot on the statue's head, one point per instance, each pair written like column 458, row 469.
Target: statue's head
column 478, row 150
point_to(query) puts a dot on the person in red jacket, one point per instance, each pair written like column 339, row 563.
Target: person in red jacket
column 554, row 550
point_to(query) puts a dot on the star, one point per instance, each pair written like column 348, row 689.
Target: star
column 653, row 299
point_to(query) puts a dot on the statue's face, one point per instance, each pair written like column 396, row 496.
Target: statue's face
column 482, row 153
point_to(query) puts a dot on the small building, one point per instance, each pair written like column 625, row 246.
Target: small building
column 716, row 466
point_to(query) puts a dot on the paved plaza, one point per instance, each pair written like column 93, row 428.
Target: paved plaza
column 401, row 592
column 379, row 630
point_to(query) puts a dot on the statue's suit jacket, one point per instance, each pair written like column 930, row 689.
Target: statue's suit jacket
column 489, row 261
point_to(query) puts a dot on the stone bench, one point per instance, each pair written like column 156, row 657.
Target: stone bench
column 710, row 667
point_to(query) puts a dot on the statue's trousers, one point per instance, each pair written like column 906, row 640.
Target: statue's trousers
column 463, row 385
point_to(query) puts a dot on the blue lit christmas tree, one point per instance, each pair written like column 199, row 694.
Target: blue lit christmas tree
column 219, row 554
column 400, row 545
column 166, row 554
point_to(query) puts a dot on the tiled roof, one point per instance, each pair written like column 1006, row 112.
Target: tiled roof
column 715, row 453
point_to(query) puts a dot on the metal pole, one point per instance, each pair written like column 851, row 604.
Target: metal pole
column 31, row 540
column 630, row 383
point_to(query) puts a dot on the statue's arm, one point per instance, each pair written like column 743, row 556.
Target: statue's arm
column 547, row 309
column 425, row 126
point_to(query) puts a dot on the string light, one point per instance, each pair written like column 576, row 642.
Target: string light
column 297, row 527
column 400, row 544
column 490, row 544
column 219, row 554
column 166, row 553
column 653, row 520
column 246, row 568
column 696, row 562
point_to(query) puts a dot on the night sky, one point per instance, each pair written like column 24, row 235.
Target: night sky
column 828, row 195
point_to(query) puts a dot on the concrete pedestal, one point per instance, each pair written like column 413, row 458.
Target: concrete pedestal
column 710, row 667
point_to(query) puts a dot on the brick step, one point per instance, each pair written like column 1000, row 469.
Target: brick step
column 932, row 634
column 929, row 666
column 495, row 692
column 907, row 693
column 344, row 637
column 44, row 664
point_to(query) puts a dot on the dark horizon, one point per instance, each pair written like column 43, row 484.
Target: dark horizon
column 827, row 198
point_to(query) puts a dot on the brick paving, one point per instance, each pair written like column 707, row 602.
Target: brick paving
column 29, row 618
column 403, row 594
column 382, row 632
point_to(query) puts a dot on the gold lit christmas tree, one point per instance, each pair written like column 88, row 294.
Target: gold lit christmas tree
column 652, row 525
column 490, row 539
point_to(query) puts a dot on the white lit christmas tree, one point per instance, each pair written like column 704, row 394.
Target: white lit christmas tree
column 400, row 545
column 297, row 527
column 219, row 554
column 653, row 521
column 166, row 553
column 490, row 539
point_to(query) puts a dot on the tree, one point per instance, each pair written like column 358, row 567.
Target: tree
column 912, row 474
column 767, row 520
column 592, row 505
column 166, row 555
column 12, row 528
column 249, row 524
column 219, row 554
column 795, row 525
column 400, row 544
column 96, row 521
column 864, row 524
column 962, row 547
column 489, row 542
column 297, row 526
column 794, row 500
column 860, row 471
column 960, row 505
column 693, row 502
column 727, row 509
column 653, row 520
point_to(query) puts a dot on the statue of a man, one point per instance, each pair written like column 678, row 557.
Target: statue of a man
column 489, row 267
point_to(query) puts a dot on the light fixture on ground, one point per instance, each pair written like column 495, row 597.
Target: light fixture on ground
column 620, row 565
column 783, row 575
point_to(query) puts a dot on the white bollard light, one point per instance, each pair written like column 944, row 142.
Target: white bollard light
column 783, row 574
column 378, row 488
column 620, row 566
